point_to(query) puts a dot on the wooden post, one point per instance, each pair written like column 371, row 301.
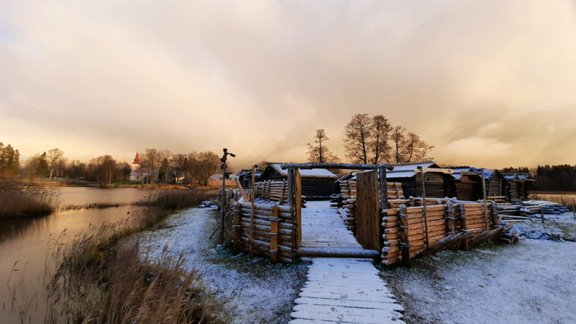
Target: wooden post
column 404, row 241
column 241, row 189
column 238, row 227
column 274, row 234
column 495, row 218
column 253, row 207
column 383, row 199
column 463, row 226
column 450, row 217
column 298, row 206
column 424, row 218
column 383, row 189
column 484, row 199
column 224, row 198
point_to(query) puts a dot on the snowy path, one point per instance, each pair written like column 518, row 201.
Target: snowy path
column 324, row 233
column 342, row 290
column 345, row 291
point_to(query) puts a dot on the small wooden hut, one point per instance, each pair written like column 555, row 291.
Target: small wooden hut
column 316, row 183
column 517, row 186
column 467, row 183
column 494, row 184
column 438, row 182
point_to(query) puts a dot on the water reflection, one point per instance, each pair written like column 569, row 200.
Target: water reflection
column 24, row 261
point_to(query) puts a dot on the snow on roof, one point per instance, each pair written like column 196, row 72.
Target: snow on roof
column 306, row 173
column 409, row 170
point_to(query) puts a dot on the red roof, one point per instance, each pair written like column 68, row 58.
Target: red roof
column 137, row 159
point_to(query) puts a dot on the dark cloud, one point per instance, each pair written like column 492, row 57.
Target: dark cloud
column 125, row 75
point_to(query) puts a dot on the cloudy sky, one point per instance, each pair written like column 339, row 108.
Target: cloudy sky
column 489, row 82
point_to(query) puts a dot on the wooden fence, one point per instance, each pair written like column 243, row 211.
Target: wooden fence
column 412, row 231
column 266, row 229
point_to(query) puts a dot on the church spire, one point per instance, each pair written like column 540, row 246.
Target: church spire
column 137, row 159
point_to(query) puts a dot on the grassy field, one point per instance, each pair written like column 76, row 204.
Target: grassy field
column 567, row 199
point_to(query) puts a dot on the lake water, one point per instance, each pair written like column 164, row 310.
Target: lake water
column 24, row 246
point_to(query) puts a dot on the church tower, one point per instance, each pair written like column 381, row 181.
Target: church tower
column 136, row 174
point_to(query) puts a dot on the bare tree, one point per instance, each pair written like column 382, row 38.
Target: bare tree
column 379, row 146
column 318, row 151
column 55, row 158
column 357, row 136
column 178, row 163
column 408, row 146
column 415, row 149
column 398, row 138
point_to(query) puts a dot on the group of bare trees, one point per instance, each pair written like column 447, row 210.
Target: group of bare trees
column 372, row 140
column 192, row 168
column 157, row 166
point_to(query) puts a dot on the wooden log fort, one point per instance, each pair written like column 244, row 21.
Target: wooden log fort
column 412, row 231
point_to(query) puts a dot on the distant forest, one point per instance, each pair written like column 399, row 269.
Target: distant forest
column 550, row 177
column 555, row 178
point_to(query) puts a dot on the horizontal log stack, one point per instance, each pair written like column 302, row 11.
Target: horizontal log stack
column 266, row 229
column 275, row 190
column 348, row 209
column 413, row 231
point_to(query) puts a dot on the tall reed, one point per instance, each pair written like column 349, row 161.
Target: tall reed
column 104, row 279
column 25, row 201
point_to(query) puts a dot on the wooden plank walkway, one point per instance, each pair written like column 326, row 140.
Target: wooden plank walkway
column 325, row 234
column 345, row 291
column 339, row 290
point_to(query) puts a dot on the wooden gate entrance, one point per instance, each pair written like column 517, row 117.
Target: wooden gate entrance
column 325, row 233
column 368, row 219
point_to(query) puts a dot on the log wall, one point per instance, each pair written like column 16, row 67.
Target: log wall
column 275, row 190
column 412, row 231
column 266, row 229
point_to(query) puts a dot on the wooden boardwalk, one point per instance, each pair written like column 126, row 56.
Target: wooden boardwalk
column 345, row 290
column 324, row 233
column 339, row 290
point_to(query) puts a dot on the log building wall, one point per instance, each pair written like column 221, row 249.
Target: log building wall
column 266, row 229
column 412, row 231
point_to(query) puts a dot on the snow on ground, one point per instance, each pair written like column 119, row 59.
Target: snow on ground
column 533, row 281
column 253, row 290
column 555, row 227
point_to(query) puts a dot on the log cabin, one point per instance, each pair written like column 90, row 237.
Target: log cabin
column 316, row 183
column 467, row 183
column 439, row 182
column 516, row 186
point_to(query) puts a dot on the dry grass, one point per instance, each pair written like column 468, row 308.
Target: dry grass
column 24, row 201
column 568, row 200
column 177, row 199
column 101, row 280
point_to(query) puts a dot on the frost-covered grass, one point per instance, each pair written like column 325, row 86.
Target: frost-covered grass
column 252, row 289
column 24, row 201
column 531, row 282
